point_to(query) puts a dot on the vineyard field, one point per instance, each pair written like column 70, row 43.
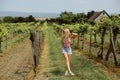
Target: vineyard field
column 87, row 62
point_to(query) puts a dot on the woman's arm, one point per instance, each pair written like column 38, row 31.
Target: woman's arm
column 74, row 35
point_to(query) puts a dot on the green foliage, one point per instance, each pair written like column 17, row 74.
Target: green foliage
column 1, row 21
column 116, row 22
column 3, row 32
column 69, row 17
column 10, row 19
column 80, row 17
column 105, row 23
column 89, row 14
column 84, row 28
column 66, row 17
column 14, row 32
column 93, row 29
column 30, row 18
column 43, row 28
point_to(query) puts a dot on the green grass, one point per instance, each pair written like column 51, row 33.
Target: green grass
column 83, row 69
column 107, row 38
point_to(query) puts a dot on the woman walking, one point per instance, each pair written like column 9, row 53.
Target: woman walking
column 66, row 49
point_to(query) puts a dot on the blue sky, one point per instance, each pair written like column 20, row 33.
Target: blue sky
column 57, row 6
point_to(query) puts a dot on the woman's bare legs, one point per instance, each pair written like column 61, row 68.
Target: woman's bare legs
column 67, row 61
column 69, row 56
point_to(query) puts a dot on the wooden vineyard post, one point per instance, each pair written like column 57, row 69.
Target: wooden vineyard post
column 112, row 46
column 0, row 45
column 6, row 41
column 35, row 39
column 83, row 42
column 90, row 45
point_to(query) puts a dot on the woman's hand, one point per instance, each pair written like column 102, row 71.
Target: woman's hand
column 74, row 35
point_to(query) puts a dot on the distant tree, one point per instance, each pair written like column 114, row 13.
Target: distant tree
column 69, row 17
column 89, row 14
column 30, row 18
column 66, row 17
column 80, row 17
column 21, row 19
column 0, row 20
column 15, row 19
column 8, row 19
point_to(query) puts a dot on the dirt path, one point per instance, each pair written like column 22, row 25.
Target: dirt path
column 16, row 62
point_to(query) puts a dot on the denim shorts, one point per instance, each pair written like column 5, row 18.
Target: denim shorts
column 67, row 50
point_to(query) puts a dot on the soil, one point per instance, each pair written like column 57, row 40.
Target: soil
column 15, row 63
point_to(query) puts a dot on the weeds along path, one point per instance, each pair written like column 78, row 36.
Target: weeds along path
column 52, row 65
column 16, row 62
column 43, row 66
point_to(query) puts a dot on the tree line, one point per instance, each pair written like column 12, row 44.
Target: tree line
column 10, row 19
column 71, row 18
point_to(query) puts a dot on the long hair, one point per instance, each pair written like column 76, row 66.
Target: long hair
column 66, row 35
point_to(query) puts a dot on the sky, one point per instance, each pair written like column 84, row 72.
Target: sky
column 58, row 6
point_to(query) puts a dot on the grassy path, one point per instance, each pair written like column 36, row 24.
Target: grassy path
column 43, row 67
column 54, row 64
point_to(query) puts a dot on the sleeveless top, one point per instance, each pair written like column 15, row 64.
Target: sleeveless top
column 64, row 44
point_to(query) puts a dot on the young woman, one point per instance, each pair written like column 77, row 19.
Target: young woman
column 66, row 49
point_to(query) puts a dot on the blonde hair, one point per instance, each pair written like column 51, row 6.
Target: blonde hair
column 66, row 35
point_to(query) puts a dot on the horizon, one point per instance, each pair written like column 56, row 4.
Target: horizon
column 56, row 12
column 26, row 12
column 35, row 14
column 54, row 6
